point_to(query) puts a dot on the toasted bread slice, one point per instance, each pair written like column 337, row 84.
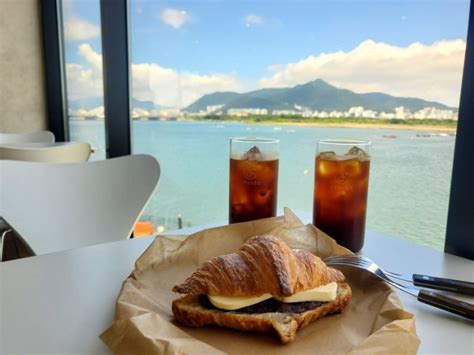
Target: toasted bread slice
column 188, row 311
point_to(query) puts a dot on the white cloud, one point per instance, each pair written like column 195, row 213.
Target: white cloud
column 174, row 17
column 431, row 72
column 91, row 56
column 168, row 87
column 82, row 82
column 67, row 7
column 253, row 20
column 85, row 81
column 77, row 29
column 150, row 82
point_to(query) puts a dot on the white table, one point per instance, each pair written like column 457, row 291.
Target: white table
column 60, row 303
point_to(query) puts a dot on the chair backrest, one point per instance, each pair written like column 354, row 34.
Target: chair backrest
column 46, row 152
column 56, row 207
column 33, row 137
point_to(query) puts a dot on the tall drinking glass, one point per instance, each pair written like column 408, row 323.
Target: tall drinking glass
column 253, row 178
column 341, row 181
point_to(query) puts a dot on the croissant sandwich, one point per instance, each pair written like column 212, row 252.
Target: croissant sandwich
column 265, row 286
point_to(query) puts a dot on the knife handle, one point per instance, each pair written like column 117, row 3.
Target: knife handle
column 449, row 304
column 439, row 283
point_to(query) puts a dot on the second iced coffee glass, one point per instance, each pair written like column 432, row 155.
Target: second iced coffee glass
column 341, row 182
column 253, row 178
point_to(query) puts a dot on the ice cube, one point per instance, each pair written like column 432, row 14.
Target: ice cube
column 352, row 166
column 356, row 152
column 253, row 154
column 322, row 167
column 328, row 155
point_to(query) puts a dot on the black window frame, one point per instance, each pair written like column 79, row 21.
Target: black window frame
column 115, row 52
column 56, row 94
column 460, row 225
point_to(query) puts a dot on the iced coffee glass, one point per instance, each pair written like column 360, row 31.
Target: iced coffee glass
column 341, row 181
column 253, row 178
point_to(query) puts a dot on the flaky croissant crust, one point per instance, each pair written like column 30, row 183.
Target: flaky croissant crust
column 264, row 264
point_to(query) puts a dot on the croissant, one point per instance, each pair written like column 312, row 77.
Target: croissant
column 264, row 264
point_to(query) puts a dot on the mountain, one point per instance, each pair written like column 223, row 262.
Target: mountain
column 145, row 105
column 93, row 102
column 222, row 98
column 316, row 95
column 85, row 104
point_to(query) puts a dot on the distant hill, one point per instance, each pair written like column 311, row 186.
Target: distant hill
column 94, row 102
column 217, row 98
column 315, row 95
column 145, row 105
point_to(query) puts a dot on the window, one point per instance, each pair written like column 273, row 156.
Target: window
column 183, row 51
column 195, row 66
column 83, row 69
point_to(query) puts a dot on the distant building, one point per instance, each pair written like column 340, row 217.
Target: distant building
column 213, row 108
column 97, row 112
column 140, row 113
column 434, row 113
column 247, row 111
column 285, row 112
column 402, row 113
column 356, row 111
column 166, row 113
column 82, row 113
column 359, row 111
column 302, row 109
column 387, row 115
column 336, row 114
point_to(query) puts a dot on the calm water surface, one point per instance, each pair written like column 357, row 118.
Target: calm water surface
column 409, row 178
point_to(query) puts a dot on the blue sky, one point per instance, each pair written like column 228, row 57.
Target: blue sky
column 294, row 30
column 219, row 37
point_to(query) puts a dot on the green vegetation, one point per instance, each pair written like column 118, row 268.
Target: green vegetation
column 331, row 120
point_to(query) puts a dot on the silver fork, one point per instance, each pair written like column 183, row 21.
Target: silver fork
column 437, row 300
column 433, row 282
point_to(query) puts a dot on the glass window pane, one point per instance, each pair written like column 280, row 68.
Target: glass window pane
column 388, row 72
column 82, row 47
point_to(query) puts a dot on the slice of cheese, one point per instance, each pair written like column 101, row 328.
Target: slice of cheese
column 231, row 303
column 322, row 294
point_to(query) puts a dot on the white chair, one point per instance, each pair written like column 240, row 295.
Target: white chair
column 33, row 137
column 69, row 152
column 56, row 207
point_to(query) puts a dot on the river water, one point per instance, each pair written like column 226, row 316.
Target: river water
column 409, row 178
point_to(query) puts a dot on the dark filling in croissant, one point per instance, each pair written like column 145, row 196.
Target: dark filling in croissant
column 270, row 305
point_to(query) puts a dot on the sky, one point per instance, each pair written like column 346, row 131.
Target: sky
column 181, row 50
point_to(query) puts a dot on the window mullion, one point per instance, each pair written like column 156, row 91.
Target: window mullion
column 54, row 69
column 460, row 227
column 116, row 69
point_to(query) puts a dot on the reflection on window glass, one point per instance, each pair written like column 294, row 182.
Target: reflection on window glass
column 386, row 72
column 81, row 23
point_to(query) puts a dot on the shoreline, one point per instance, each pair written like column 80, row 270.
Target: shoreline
column 397, row 127
column 341, row 125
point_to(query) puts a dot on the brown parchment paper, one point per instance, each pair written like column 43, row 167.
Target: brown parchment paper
column 372, row 323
